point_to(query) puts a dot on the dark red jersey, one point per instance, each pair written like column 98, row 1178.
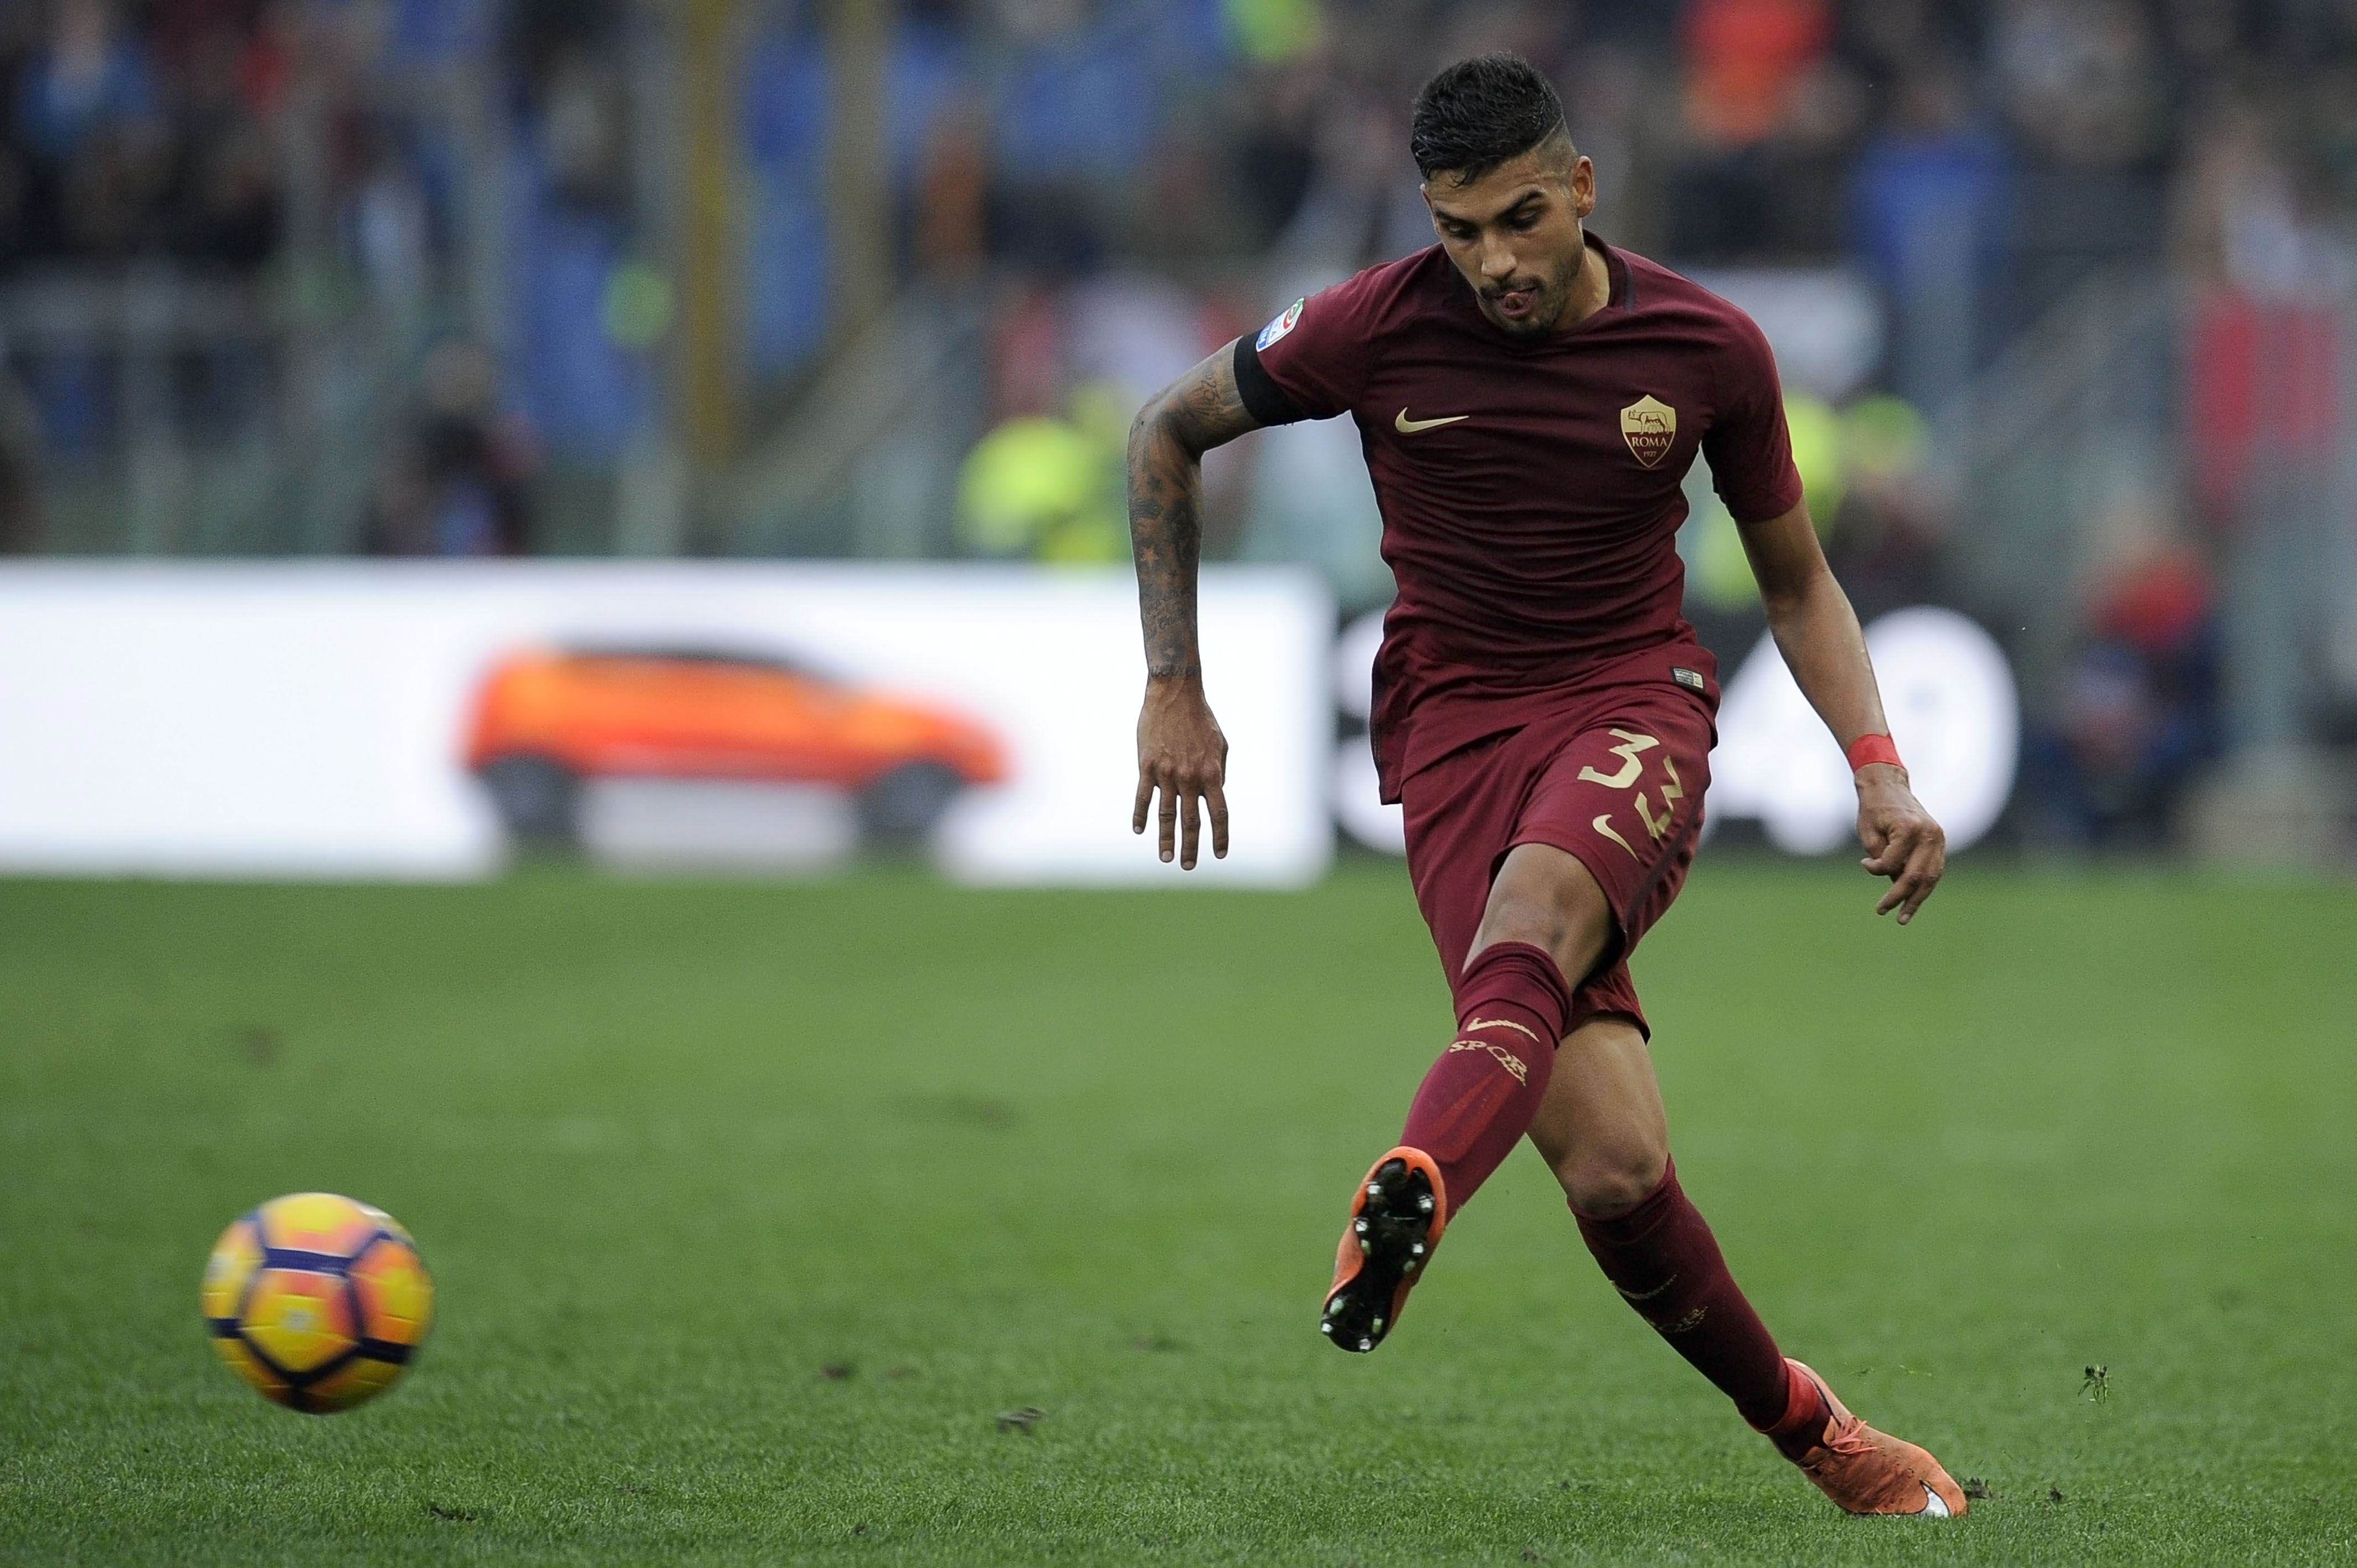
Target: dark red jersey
column 1531, row 488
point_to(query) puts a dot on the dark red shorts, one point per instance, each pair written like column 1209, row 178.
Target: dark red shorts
column 1617, row 782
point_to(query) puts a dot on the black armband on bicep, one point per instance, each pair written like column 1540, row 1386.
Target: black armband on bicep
column 1263, row 398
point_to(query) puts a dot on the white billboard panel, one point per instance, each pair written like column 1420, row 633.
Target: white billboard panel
column 297, row 719
column 1949, row 697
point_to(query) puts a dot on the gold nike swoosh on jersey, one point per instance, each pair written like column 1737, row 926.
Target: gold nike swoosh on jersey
column 1407, row 426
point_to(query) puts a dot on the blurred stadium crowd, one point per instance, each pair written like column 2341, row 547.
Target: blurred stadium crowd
column 421, row 277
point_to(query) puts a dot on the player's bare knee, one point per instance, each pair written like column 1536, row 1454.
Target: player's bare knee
column 1608, row 1181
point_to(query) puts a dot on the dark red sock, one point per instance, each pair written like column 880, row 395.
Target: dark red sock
column 1478, row 1099
column 1665, row 1261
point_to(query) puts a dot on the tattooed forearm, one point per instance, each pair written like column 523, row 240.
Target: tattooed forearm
column 1196, row 412
column 1166, row 531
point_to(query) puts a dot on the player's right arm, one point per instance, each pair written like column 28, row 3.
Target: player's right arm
column 1181, row 755
column 1817, row 632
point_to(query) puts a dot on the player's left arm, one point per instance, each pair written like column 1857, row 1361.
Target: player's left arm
column 1818, row 634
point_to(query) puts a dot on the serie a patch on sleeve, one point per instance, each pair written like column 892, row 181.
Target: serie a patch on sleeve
column 1280, row 327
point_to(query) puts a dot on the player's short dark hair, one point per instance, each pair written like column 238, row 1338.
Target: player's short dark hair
column 1479, row 112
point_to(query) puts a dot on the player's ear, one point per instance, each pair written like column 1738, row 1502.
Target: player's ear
column 1582, row 186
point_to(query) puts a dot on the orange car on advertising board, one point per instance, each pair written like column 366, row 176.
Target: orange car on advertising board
column 546, row 720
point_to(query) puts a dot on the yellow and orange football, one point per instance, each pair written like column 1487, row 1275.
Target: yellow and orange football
column 317, row 1301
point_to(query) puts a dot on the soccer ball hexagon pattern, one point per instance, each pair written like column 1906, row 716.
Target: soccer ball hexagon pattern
column 317, row 1301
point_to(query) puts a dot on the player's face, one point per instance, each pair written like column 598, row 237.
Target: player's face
column 1515, row 235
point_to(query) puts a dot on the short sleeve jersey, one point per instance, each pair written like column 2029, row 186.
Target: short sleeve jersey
column 1530, row 490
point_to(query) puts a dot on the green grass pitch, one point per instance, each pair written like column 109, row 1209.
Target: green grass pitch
column 753, row 1208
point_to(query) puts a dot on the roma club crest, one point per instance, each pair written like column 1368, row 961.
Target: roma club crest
column 1649, row 426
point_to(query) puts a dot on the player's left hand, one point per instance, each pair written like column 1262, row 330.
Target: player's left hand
column 1902, row 840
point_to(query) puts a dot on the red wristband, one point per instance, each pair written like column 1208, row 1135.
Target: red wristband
column 1868, row 748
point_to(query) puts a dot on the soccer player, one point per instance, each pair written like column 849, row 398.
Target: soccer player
column 1529, row 399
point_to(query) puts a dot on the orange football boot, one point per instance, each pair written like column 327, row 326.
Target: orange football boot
column 1395, row 1222
column 1867, row 1471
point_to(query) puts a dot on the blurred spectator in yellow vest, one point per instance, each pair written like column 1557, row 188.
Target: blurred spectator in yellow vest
column 1045, row 489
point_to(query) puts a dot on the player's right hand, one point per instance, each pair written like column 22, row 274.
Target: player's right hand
column 1902, row 839
column 1181, row 754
